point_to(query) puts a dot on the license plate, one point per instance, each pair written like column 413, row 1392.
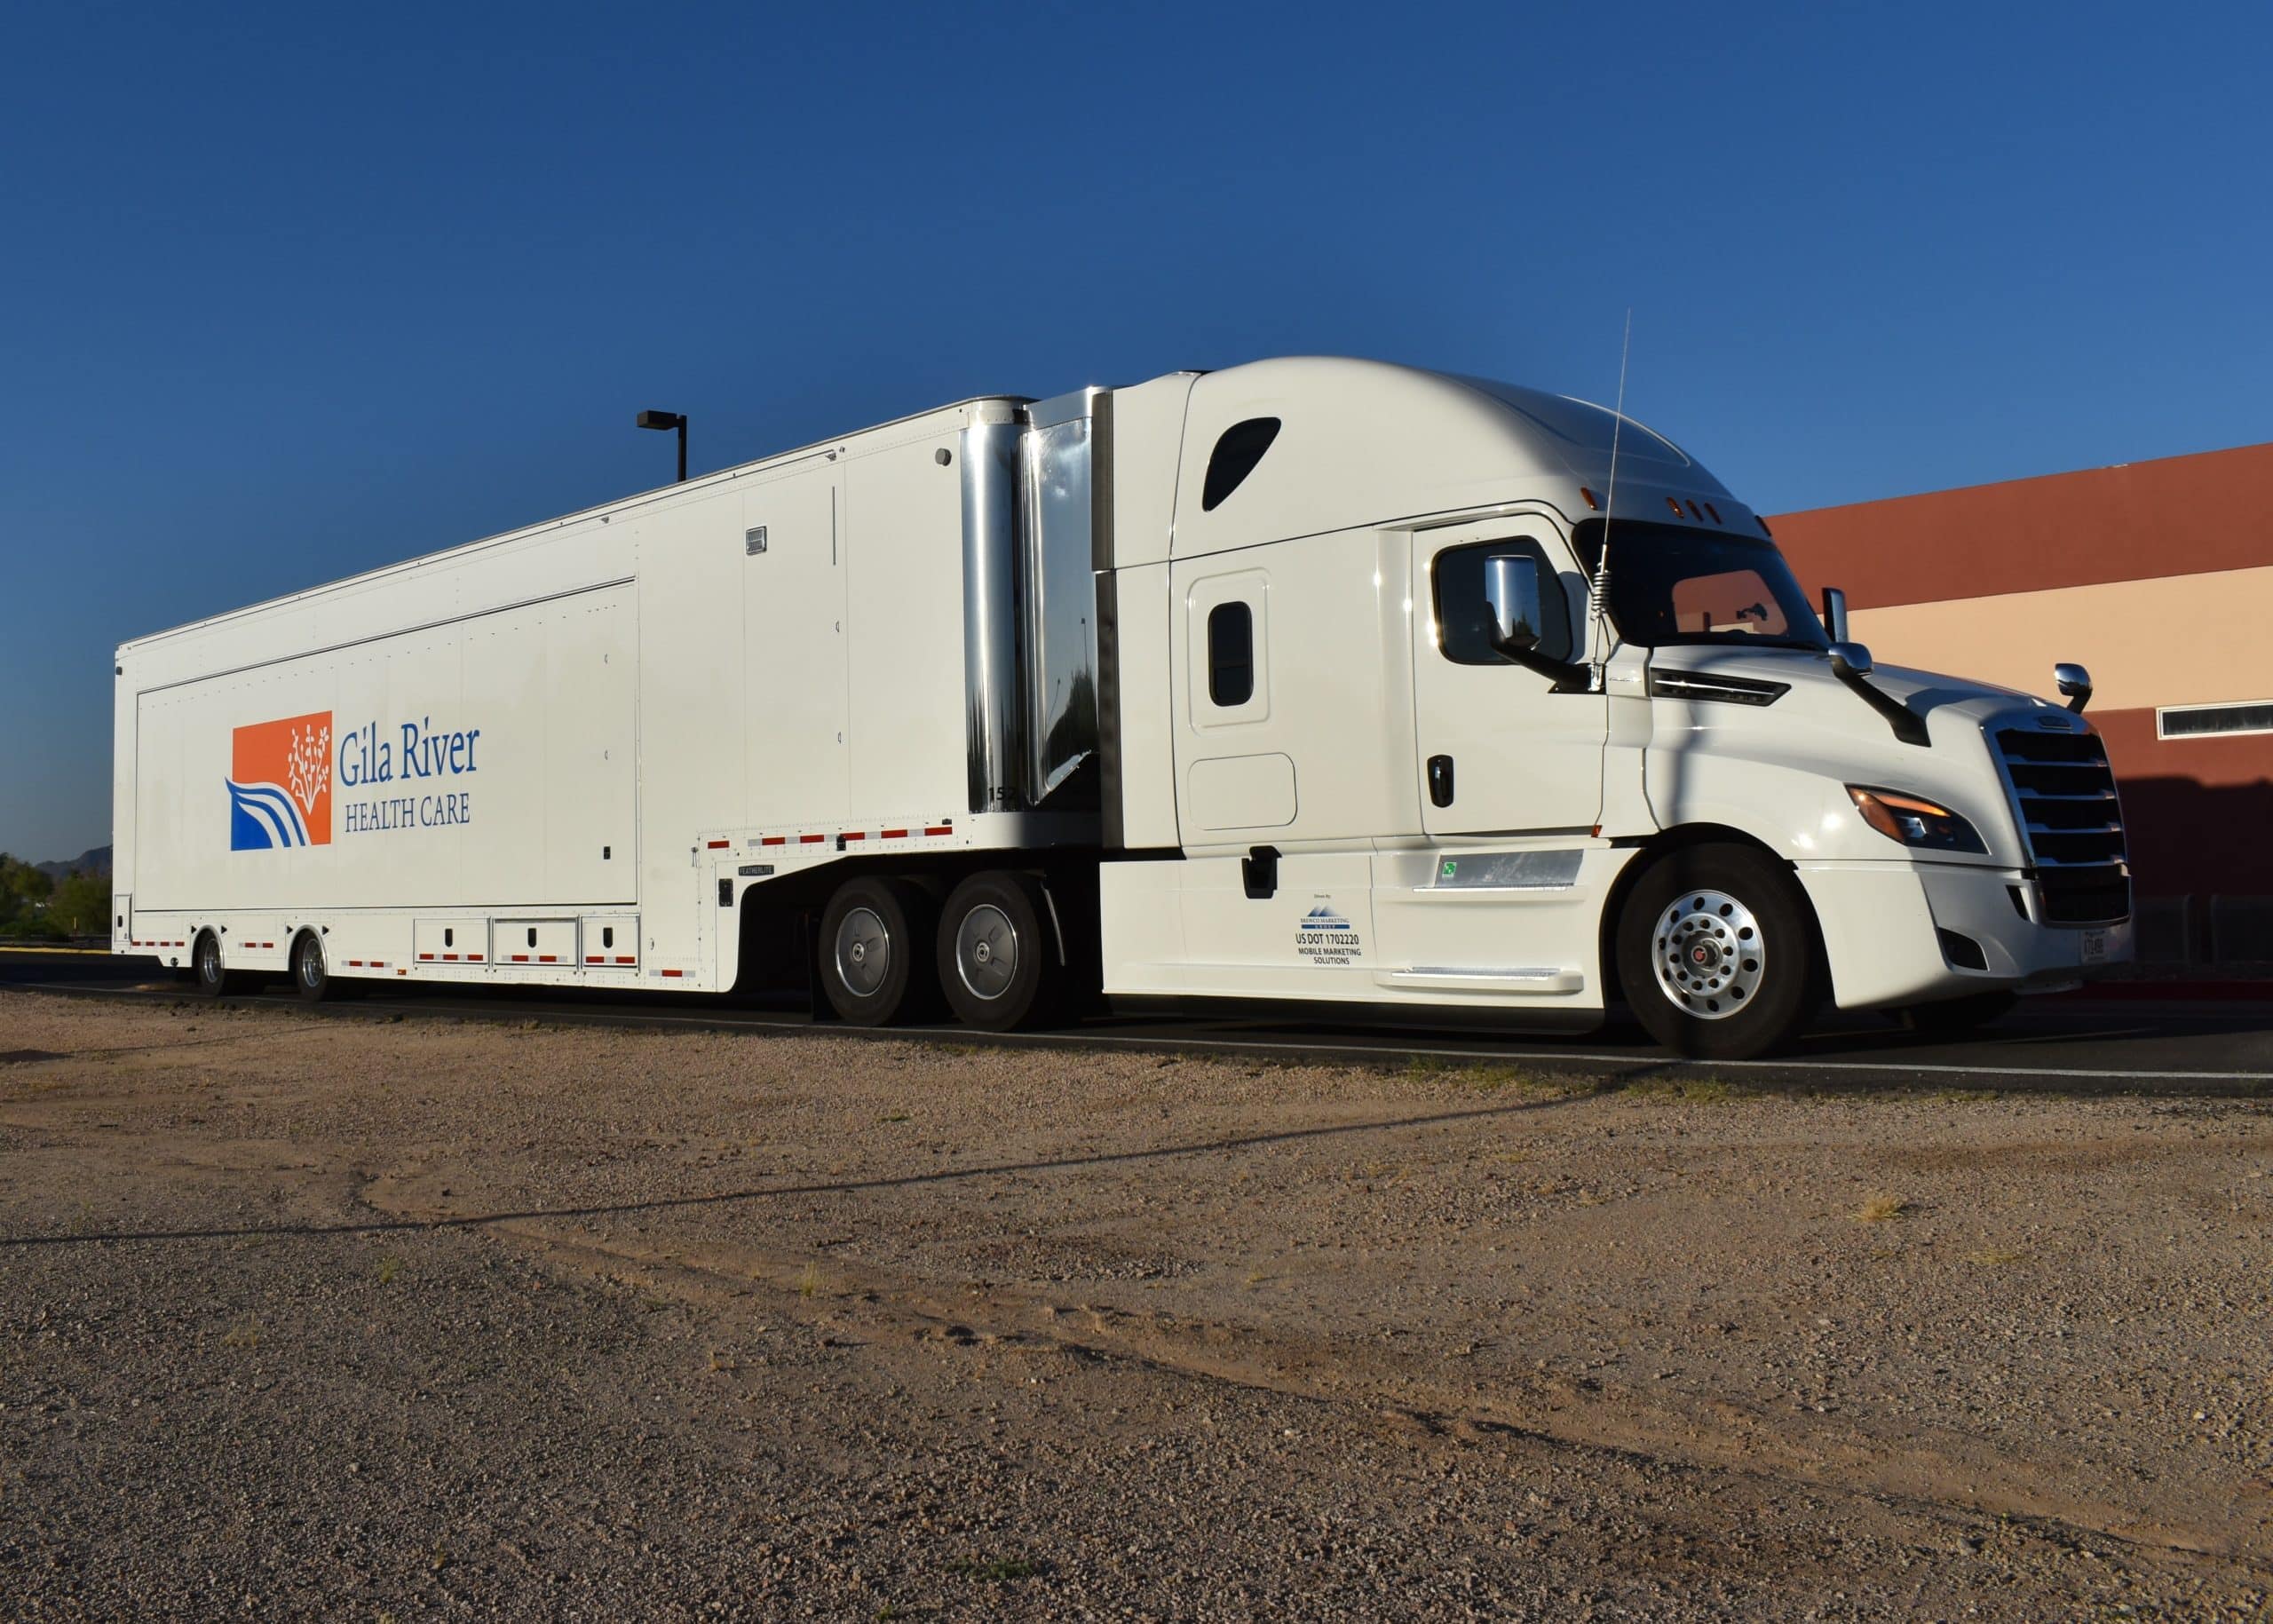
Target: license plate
column 2093, row 946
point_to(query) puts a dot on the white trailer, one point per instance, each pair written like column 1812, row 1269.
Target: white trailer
column 1313, row 680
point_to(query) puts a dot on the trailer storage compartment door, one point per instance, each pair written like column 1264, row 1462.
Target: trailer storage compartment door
column 534, row 941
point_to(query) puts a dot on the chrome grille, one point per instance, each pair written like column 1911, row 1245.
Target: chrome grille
column 2073, row 823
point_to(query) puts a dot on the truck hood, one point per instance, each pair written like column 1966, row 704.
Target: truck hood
column 1820, row 729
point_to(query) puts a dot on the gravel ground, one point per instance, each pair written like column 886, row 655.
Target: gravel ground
column 420, row 1319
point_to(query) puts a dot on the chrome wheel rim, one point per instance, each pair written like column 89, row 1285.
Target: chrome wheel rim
column 986, row 951
column 311, row 965
column 209, row 960
column 863, row 951
column 1709, row 954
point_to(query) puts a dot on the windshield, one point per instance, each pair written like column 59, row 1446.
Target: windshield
column 1671, row 584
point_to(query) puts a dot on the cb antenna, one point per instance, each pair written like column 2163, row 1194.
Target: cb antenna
column 1600, row 592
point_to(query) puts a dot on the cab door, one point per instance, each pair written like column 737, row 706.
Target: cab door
column 1499, row 752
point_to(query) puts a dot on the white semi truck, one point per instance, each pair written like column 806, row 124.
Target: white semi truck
column 1313, row 680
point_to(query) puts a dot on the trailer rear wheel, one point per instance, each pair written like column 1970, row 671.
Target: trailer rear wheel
column 999, row 959
column 1717, row 951
column 207, row 972
column 311, row 977
column 873, row 966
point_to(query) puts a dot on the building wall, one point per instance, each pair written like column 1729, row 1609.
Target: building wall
column 2159, row 576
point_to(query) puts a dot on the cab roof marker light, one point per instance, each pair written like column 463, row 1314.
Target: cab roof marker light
column 1714, row 512
column 1589, row 496
column 1675, row 504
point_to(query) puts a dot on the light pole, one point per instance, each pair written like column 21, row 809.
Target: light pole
column 670, row 419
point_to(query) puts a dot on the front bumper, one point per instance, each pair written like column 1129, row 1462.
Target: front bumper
column 1881, row 926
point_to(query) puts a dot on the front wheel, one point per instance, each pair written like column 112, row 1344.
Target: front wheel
column 1716, row 952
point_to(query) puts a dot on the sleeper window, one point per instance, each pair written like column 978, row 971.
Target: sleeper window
column 1230, row 655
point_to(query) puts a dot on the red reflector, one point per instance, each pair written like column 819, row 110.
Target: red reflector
column 939, row 828
column 893, row 835
column 520, row 958
column 852, row 836
column 810, row 840
column 625, row 958
column 354, row 963
column 674, row 972
column 474, row 958
column 449, row 958
column 594, row 958
column 774, row 840
column 716, row 845
column 426, row 955
column 547, row 958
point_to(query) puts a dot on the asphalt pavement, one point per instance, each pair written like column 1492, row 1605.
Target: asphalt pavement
column 2070, row 1043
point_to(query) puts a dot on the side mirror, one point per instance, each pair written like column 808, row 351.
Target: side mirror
column 1850, row 659
column 2075, row 685
column 1834, row 614
column 1511, row 592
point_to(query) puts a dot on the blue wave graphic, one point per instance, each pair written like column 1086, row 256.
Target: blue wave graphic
column 263, row 817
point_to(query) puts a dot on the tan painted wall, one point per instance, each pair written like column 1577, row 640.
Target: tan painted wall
column 2168, row 640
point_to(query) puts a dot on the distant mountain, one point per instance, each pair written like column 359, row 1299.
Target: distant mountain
column 96, row 862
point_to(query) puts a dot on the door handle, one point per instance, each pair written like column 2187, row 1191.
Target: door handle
column 1440, row 780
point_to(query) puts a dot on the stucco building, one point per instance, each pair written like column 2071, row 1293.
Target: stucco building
column 2159, row 576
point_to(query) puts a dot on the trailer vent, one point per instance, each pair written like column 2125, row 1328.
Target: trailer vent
column 2072, row 822
column 1238, row 449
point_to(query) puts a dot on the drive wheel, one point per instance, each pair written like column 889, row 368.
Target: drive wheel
column 873, row 966
column 1956, row 1014
column 1716, row 952
column 999, row 963
column 311, row 977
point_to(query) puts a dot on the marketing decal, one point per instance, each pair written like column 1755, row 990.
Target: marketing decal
column 280, row 783
column 1324, row 937
column 282, row 774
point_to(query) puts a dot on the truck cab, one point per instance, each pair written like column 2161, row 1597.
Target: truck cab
column 1421, row 700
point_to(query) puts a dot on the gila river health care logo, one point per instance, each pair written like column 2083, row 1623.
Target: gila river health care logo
column 280, row 783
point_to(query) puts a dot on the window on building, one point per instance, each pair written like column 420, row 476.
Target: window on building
column 2202, row 721
column 1230, row 655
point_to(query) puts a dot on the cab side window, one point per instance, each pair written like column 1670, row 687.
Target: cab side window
column 1463, row 617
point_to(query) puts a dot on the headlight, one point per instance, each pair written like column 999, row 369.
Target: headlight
column 1914, row 821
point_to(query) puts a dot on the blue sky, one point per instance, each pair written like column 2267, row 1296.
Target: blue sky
column 288, row 291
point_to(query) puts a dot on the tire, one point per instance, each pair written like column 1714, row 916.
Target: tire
column 1717, row 953
column 1000, row 960
column 1956, row 1014
column 311, row 978
column 207, row 974
column 874, row 966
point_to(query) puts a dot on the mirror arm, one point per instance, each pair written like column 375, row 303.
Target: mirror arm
column 1568, row 679
column 1908, row 726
